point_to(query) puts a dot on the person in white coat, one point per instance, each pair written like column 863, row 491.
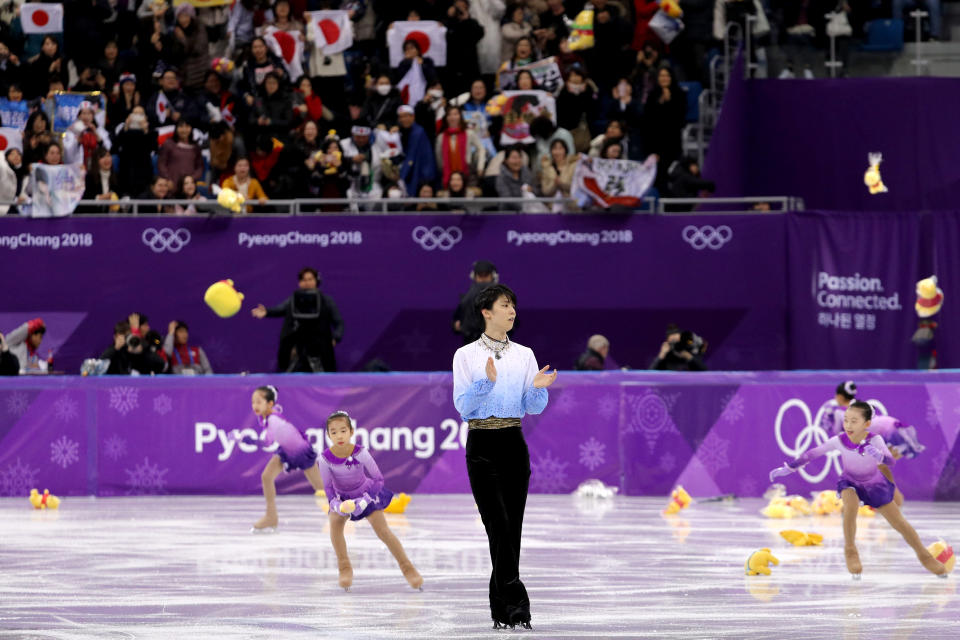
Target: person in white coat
column 488, row 13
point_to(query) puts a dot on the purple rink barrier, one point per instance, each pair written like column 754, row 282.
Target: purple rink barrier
column 768, row 292
column 715, row 433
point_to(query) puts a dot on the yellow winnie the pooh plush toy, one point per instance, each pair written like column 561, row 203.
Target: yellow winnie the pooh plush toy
column 223, row 298
column 45, row 501
column 758, row 561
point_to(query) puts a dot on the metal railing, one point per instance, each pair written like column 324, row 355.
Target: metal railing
column 457, row 206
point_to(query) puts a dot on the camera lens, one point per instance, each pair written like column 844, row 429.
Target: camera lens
column 133, row 342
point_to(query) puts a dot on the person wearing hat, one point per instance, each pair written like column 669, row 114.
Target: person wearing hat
column 24, row 344
column 83, row 137
column 419, row 165
column 358, row 158
column 467, row 320
column 122, row 101
column 680, row 351
column 189, row 46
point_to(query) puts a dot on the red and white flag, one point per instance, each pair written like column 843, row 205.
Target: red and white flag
column 163, row 107
column 331, row 31
column 288, row 46
column 10, row 139
column 165, row 133
column 413, row 84
column 429, row 34
column 38, row 17
column 612, row 182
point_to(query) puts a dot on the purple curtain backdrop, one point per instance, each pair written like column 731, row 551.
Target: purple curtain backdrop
column 397, row 280
column 714, row 433
column 810, row 138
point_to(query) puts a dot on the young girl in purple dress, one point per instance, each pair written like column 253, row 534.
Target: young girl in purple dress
column 354, row 487
column 860, row 453
column 294, row 452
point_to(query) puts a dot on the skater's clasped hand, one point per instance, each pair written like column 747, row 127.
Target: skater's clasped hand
column 543, row 379
column 491, row 370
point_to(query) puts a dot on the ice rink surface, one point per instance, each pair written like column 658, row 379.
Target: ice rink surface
column 187, row 567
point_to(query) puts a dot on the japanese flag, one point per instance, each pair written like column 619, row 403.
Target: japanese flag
column 331, row 31
column 41, row 18
column 10, row 139
column 165, row 133
column 163, row 108
column 288, row 46
column 413, row 84
column 429, row 34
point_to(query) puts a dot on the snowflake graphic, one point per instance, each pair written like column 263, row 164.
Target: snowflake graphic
column 934, row 409
column 439, row 396
column 65, row 408
column 146, row 478
column 668, row 462
column 748, row 487
column 549, row 474
column 115, row 447
column 565, row 403
column 733, row 410
column 17, row 403
column 608, row 406
column 162, row 404
column 18, row 479
column 124, row 399
column 713, row 453
column 64, row 451
column 649, row 415
column 592, row 453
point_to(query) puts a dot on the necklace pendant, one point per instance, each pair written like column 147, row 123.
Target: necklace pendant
column 498, row 356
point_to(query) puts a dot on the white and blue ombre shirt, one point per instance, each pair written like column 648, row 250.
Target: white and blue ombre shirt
column 511, row 396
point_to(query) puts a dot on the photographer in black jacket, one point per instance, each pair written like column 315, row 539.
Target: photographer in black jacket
column 680, row 351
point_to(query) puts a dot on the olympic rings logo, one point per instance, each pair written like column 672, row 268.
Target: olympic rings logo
column 437, row 237
column 707, row 236
column 165, row 239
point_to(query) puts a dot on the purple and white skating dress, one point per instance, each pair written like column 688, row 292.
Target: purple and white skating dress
column 295, row 450
column 860, row 470
column 355, row 477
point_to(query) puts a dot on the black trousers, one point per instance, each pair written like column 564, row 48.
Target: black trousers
column 498, row 464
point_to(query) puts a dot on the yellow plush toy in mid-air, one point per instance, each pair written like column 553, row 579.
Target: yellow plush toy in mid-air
column 944, row 553
column 230, row 200
column 45, row 501
column 929, row 298
column 758, row 563
column 872, row 176
column 398, row 504
column 671, row 8
column 801, row 539
column 581, row 30
column 679, row 499
column 223, row 298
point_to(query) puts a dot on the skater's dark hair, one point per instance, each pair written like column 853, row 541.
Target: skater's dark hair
column 338, row 415
column 847, row 389
column 865, row 409
column 269, row 392
column 489, row 296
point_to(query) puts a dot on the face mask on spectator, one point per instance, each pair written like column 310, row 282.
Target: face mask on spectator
column 383, row 89
column 436, row 93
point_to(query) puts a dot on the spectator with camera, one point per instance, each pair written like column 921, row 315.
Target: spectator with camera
column 681, row 351
column 180, row 356
column 312, row 327
column 133, row 350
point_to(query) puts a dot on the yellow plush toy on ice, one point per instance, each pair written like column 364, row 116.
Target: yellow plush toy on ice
column 826, row 502
column 758, row 563
column 929, row 297
column 398, row 504
column 944, row 553
column 581, row 31
column 45, row 501
column 230, row 200
column 679, row 499
column 872, row 176
column 223, row 298
column 866, row 510
column 801, row 539
column 787, row 507
column 671, row 8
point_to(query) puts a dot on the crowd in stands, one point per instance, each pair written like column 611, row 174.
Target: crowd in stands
column 203, row 96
